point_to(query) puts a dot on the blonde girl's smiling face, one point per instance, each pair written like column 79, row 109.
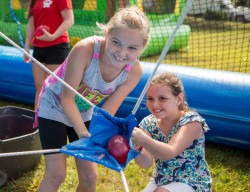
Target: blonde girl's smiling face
column 123, row 46
column 161, row 102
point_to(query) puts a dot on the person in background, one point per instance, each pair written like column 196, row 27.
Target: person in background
column 50, row 43
column 112, row 6
column 173, row 136
column 100, row 69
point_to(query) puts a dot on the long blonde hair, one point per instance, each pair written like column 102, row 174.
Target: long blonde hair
column 131, row 17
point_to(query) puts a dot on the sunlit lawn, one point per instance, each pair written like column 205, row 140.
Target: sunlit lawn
column 218, row 45
column 230, row 170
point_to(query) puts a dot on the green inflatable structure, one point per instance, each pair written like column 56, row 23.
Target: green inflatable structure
column 163, row 15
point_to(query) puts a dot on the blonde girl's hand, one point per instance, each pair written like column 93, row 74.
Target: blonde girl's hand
column 84, row 134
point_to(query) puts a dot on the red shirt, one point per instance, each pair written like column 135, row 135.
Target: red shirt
column 47, row 12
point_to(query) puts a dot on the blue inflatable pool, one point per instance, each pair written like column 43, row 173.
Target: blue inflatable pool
column 222, row 98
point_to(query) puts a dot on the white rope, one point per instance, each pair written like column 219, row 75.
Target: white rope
column 163, row 53
column 45, row 68
column 124, row 181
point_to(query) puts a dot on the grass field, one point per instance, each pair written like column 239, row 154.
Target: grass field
column 229, row 167
column 220, row 45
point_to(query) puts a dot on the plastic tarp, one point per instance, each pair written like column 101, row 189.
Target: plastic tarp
column 103, row 126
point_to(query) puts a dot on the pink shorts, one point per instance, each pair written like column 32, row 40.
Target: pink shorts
column 172, row 187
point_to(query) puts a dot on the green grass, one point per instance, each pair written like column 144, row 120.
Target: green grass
column 229, row 167
column 219, row 45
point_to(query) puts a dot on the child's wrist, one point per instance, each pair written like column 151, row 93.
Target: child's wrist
column 140, row 148
column 84, row 134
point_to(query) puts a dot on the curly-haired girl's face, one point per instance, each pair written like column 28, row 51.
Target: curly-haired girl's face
column 161, row 102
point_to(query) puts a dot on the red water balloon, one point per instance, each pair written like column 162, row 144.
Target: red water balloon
column 118, row 147
column 39, row 30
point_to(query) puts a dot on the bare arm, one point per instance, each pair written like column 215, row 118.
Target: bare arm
column 145, row 159
column 74, row 72
column 68, row 21
column 165, row 151
column 29, row 35
column 75, row 68
column 115, row 100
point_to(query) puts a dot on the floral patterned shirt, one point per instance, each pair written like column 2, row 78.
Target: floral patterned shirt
column 188, row 167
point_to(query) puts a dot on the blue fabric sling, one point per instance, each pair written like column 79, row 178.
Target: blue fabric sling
column 103, row 126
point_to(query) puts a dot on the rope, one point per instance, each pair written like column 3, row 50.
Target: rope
column 12, row 154
column 124, row 181
column 163, row 53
